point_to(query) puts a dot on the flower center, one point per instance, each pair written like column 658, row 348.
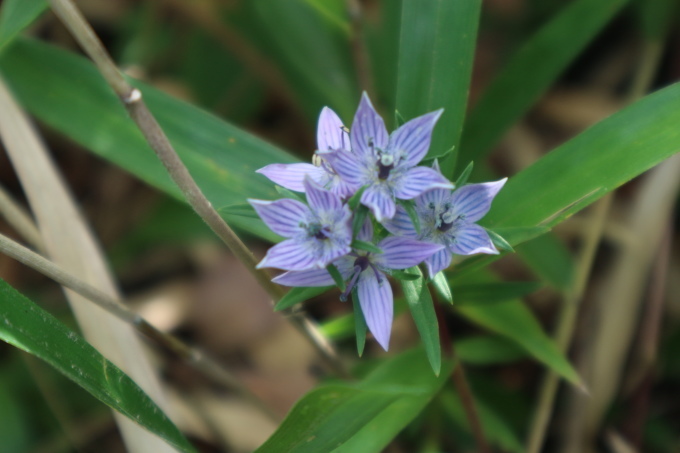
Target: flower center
column 318, row 231
column 360, row 264
column 447, row 220
column 385, row 164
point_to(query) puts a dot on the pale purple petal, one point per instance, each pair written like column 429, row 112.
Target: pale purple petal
column 283, row 216
column 379, row 201
column 320, row 200
column 348, row 167
column 315, row 277
column 470, row 239
column 434, row 196
column 474, row 200
column 401, row 224
column 341, row 187
column 368, row 129
column 418, row 180
column 330, row 133
column 290, row 255
column 412, row 139
column 438, row 262
column 402, row 253
column 376, row 302
column 366, row 231
column 292, row 176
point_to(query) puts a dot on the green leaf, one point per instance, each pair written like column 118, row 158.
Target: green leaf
column 488, row 350
column 355, row 199
column 592, row 164
column 31, row 329
column 286, row 193
column 499, row 241
column 398, row 119
column 463, row 178
column 15, row 15
column 495, row 429
column 299, row 294
column 360, row 327
column 366, row 246
column 337, row 276
column 531, row 71
column 549, row 258
column 358, row 220
column 239, row 209
column 436, row 50
column 403, row 275
column 656, row 16
column 67, row 93
column 362, row 417
column 515, row 321
column 409, row 207
column 441, row 285
column 493, row 292
column 422, row 309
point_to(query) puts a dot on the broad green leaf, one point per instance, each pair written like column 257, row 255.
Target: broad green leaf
column 441, row 286
column 531, row 71
column 549, row 258
column 67, row 93
column 31, row 329
column 488, row 350
column 421, row 305
column 299, row 294
column 592, row 164
column 361, row 417
column 436, row 49
column 15, row 15
column 493, row 292
column 496, row 430
column 515, row 321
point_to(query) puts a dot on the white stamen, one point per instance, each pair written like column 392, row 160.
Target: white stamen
column 386, row 160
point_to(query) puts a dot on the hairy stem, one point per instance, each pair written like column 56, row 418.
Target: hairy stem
column 138, row 111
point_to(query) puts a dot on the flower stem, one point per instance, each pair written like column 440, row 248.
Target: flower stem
column 460, row 382
column 199, row 360
column 138, row 111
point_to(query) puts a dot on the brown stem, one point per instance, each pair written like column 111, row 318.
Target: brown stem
column 132, row 100
column 461, row 384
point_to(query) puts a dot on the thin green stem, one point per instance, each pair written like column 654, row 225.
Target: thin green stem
column 19, row 219
column 138, row 111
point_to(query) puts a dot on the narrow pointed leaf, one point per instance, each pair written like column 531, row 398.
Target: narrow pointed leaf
column 15, row 15
column 360, row 327
column 420, row 303
column 463, row 178
column 499, row 241
column 410, row 209
column 366, row 246
column 299, row 294
column 441, row 285
column 403, row 275
column 31, row 329
column 488, row 350
column 337, row 276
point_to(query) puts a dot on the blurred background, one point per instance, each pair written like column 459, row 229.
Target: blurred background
column 269, row 66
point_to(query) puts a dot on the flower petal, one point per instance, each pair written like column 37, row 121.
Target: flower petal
column 418, row 180
column 348, row 167
column 412, row 139
column 379, row 201
column 366, row 231
column 438, row 262
column 315, row 277
column 321, row 201
column 291, row 176
column 401, row 224
column 376, row 302
column 368, row 129
column 290, row 255
column 434, row 196
column 401, row 252
column 474, row 200
column 330, row 133
column 283, row 216
column 470, row 239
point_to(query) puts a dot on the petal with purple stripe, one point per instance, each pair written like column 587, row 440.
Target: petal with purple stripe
column 412, row 139
column 378, row 199
column 284, row 217
column 315, row 277
column 474, row 200
column 434, row 196
column 401, row 252
column 320, row 200
column 292, row 176
column 330, row 133
column 290, row 255
column 418, row 180
column 401, row 224
column 368, row 129
column 438, row 262
column 348, row 166
column 376, row 300
column 366, row 231
column 470, row 239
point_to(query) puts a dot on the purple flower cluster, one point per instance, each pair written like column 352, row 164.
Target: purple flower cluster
column 382, row 170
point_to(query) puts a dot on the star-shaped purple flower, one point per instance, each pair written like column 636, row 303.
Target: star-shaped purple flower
column 367, row 272
column 331, row 135
column 317, row 234
column 448, row 218
column 386, row 165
